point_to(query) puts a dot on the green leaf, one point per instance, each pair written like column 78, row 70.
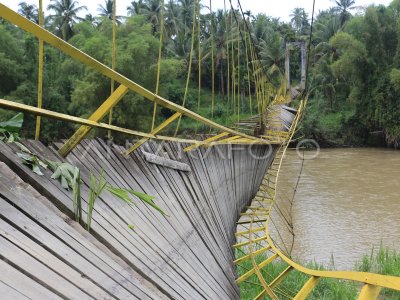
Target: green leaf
column 53, row 165
column 64, row 183
column 121, row 194
column 36, row 169
column 132, row 227
column 23, row 148
column 148, row 200
column 14, row 124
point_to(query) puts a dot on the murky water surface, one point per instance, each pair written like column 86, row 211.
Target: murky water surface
column 347, row 203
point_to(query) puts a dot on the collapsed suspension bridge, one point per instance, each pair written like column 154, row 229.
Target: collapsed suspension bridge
column 219, row 195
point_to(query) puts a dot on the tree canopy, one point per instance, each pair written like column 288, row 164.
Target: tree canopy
column 354, row 64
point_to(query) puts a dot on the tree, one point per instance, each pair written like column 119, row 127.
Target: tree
column 152, row 11
column 29, row 11
column 107, row 11
column 65, row 16
column 344, row 7
column 173, row 22
column 299, row 20
column 135, row 8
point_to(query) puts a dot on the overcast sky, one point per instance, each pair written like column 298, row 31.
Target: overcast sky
column 280, row 8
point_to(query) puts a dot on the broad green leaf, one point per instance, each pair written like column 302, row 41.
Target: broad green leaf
column 14, row 124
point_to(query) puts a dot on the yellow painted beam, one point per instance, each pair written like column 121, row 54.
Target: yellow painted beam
column 67, row 118
column 246, row 257
column 113, row 58
column 248, row 242
column 240, row 233
column 40, row 73
column 307, row 288
column 369, row 292
column 99, row 114
column 51, row 39
column 154, row 131
column 260, row 266
column 211, row 139
column 274, row 283
column 282, row 276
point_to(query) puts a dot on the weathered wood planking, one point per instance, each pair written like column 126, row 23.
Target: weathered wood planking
column 187, row 255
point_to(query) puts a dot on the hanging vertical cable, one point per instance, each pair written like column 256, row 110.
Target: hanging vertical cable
column 248, row 72
column 113, row 59
column 227, row 59
column 159, row 62
column 199, row 62
column 212, row 63
column 40, row 72
column 233, row 70
column 238, row 77
column 190, row 63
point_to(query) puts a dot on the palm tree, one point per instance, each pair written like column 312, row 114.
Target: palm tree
column 344, row 7
column 65, row 16
column 152, row 11
column 272, row 52
column 107, row 11
column 173, row 22
column 29, row 11
column 136, row 8
column 299, row 20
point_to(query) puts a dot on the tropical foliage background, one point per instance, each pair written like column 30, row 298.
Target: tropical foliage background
column 354, row 65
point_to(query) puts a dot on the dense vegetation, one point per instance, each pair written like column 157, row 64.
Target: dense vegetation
column 354, row 65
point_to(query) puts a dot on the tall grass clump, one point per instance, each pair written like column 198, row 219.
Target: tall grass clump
column 382, row 261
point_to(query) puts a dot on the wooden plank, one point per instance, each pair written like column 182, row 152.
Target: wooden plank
column 143, row 246
column 8, row 293
column 107, row 235
column 23, row 286
column 165, row 162
column 41, row 273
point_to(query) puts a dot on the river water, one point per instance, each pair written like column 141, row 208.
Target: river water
column 347, row 202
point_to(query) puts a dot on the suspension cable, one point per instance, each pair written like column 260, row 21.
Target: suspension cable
column 190, row 65
column 159, row 62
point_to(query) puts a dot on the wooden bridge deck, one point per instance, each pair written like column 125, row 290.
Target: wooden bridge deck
column 45, row 254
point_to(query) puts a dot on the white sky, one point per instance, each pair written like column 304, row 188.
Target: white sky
column 280, row 8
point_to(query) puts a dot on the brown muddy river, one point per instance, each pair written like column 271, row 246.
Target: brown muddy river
column 347, row 203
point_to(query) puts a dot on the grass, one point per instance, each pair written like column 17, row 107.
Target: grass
column 381, row 261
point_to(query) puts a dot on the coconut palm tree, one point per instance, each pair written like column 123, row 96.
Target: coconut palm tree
column 107, row 11
column 152, row 11
column 136, row 8
column 65, row 16
column 344, row 7
column 272, row 52
column 173, row 22
column 299, row 20
column 29, row 11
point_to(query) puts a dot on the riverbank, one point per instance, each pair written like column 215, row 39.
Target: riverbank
column 381, row 261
